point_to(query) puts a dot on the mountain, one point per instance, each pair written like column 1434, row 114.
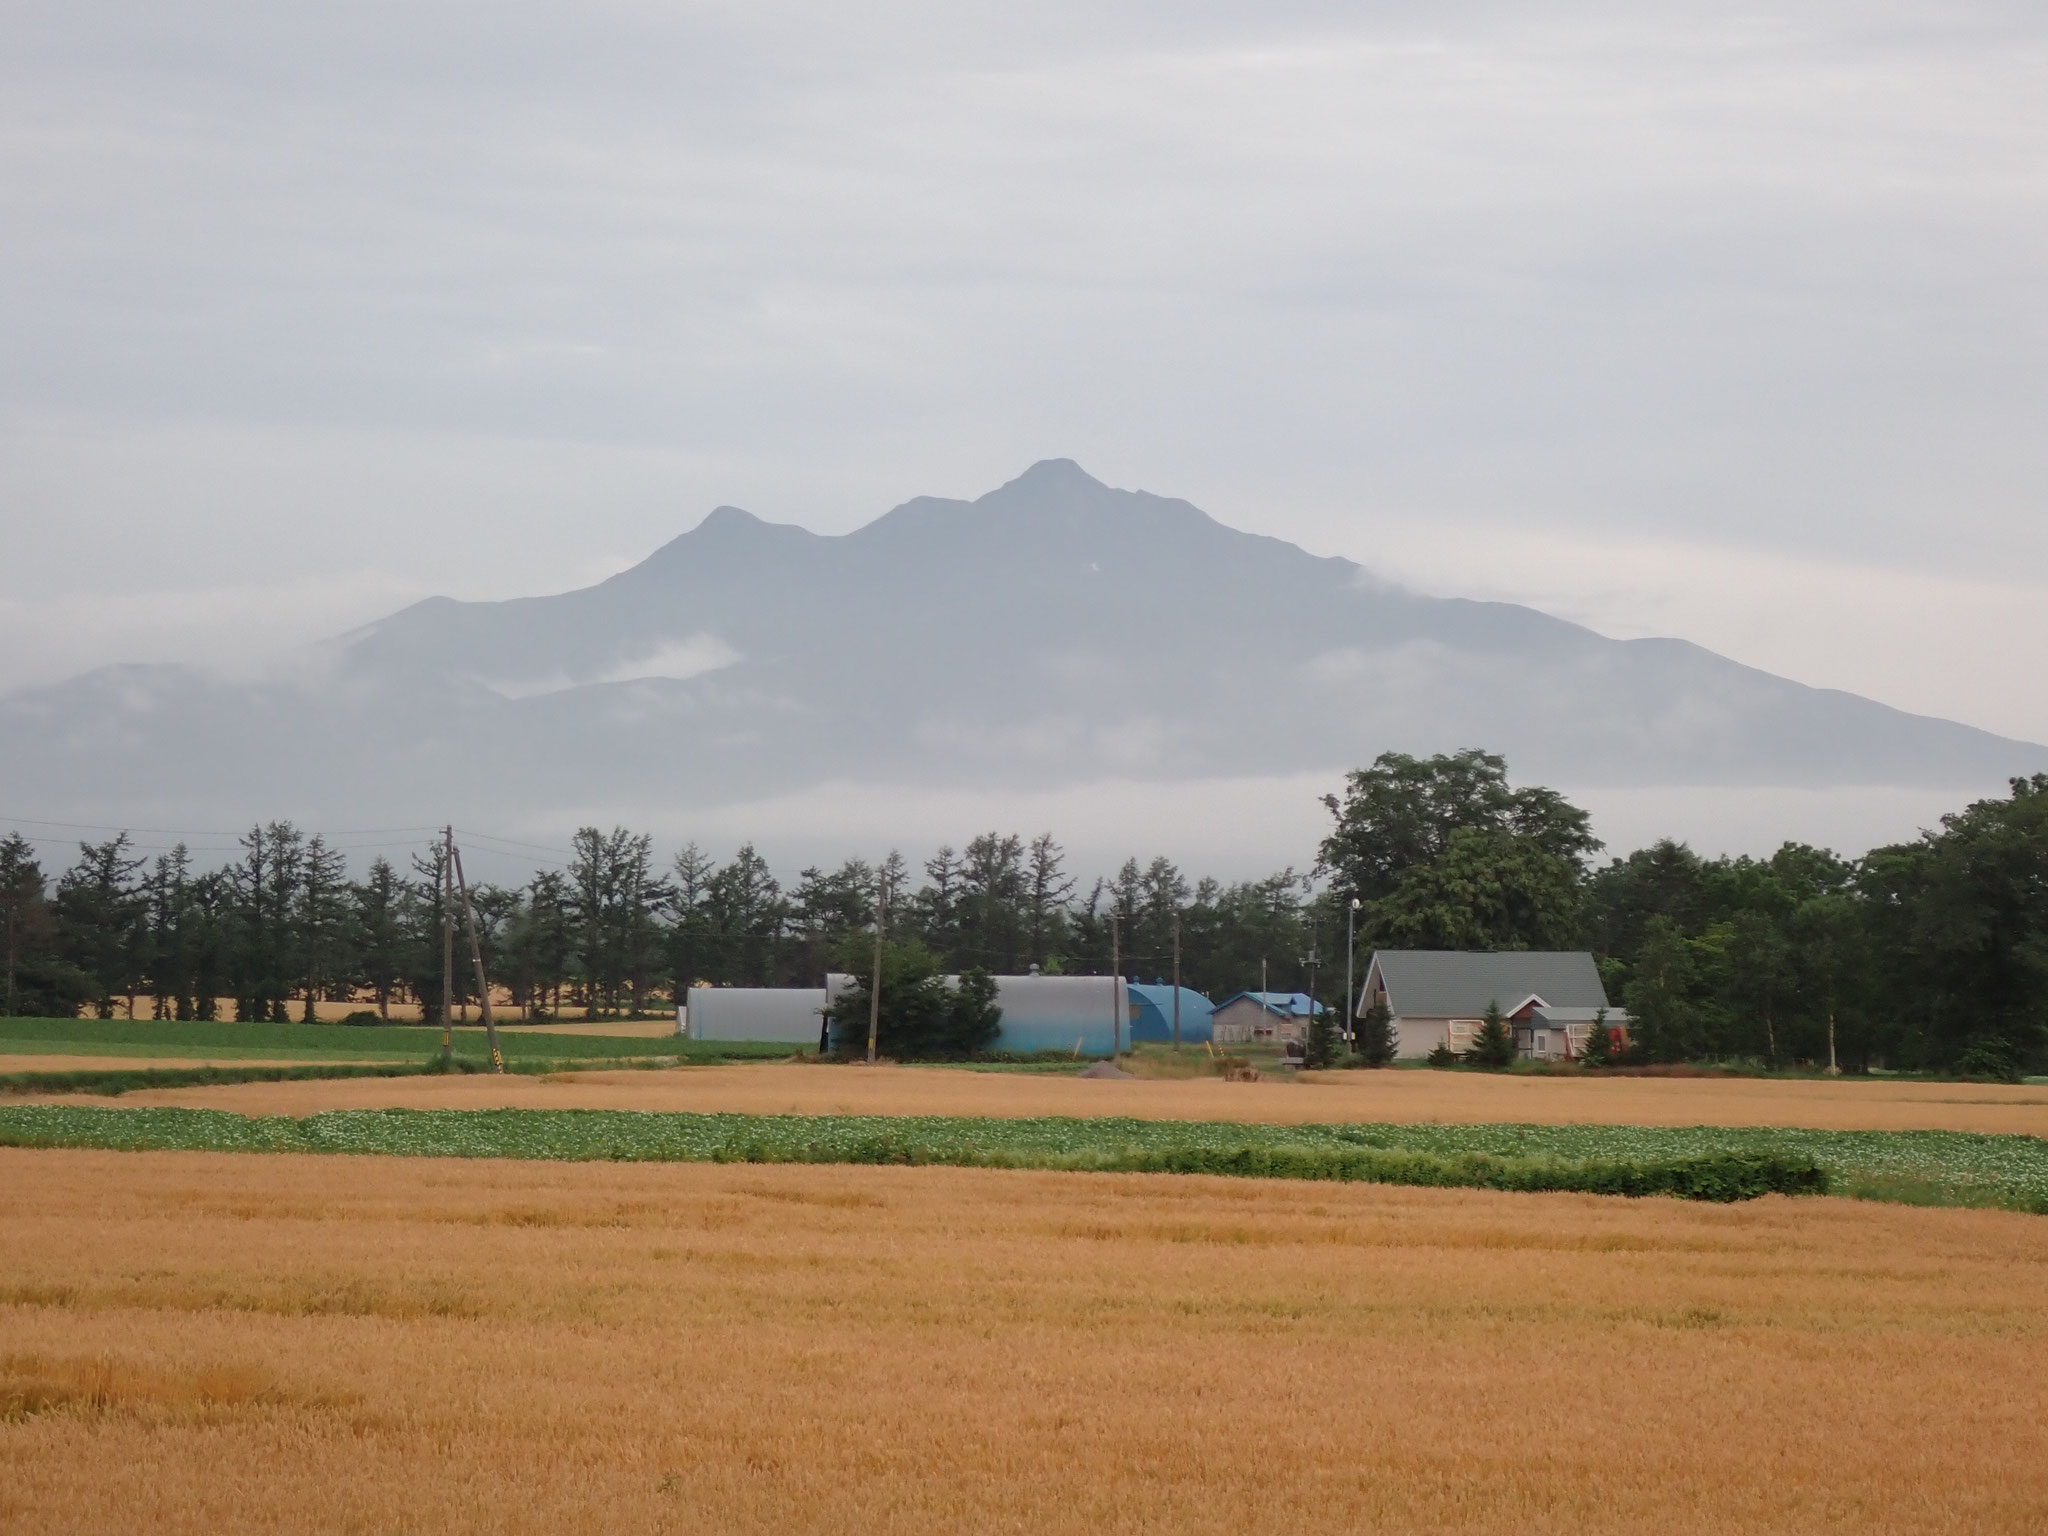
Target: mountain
column 1053, row 632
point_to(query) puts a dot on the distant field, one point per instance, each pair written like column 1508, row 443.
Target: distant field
column 204, row 1345
column 140, row 1039
column 1918, row 1167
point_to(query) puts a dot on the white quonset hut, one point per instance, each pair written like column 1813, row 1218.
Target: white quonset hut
column 1039, row 1013
column 790, row 1015
column 1550, row 998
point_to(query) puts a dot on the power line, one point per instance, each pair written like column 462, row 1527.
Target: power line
column 492, row 837
column 95, row 826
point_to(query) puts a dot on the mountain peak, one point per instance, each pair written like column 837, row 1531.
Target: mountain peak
column 1055, row 476
column 719, row 518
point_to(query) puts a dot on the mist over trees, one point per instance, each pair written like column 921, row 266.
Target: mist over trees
column 1932, row 953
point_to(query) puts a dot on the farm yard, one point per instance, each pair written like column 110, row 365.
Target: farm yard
column 785, row 1296
column 209, row 1343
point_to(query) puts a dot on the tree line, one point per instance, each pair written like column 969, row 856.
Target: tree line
column 1928, row 954
column 613, row 932
column 1931, row 954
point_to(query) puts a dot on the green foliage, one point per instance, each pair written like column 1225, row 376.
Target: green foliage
column 1661, row 997
column 1927, row 1167
column 1992, row 1057
column 228, row 1041
column 1375, row 1037
column 1600, row 1044
column 1320, row 1049
column 1402, row 813
column 1442, row 1056
column 1489, row 890
column 1494, row 1046
column 1376, row 1154
column 114, row 1083
column 924, row 1016
column 976, row 1018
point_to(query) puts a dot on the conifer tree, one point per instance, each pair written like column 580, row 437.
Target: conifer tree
column 1599, row 1051
column 1376, row 1042
column 1494, row 1045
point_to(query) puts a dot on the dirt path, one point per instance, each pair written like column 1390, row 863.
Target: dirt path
column 795, row 1088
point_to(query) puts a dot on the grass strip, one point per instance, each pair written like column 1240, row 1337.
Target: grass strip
column 114, row 1082
column 390, row 1042
column 1244, row 1151
column 1957, row 1168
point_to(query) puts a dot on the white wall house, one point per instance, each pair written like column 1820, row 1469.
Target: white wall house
column 1248, row 1018
column 1550, row 998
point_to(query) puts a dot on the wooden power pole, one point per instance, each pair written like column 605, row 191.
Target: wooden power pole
column 447, row 947
column 476, row 955
column 875, row 982
column 1176, row 979
column 1116, row 997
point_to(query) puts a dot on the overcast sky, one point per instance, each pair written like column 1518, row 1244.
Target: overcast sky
column 1689, row 320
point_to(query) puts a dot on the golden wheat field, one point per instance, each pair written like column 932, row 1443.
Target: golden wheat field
column 810, row 1089
column 217, row 1344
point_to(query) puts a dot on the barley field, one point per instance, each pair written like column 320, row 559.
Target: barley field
column 799, row 1088
column 216, row 1344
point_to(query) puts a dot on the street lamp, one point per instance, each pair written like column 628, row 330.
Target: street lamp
column 1350, row 940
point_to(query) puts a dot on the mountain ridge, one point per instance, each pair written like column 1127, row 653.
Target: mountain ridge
column 1054, row 631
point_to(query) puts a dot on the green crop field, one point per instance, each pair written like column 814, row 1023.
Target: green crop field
column 223, row 1041
column 1930, row 1167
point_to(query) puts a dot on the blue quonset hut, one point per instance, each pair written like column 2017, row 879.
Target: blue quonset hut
column 1151, row 1015
column 1055, row 1013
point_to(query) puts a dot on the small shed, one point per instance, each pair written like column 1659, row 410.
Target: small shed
column 1252, row 1017
column 791, row 1015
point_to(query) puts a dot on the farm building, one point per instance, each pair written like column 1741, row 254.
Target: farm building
column 1151, row 1014
column 1068, row 1013
column 1263, row 1016
column 794, row 1015
column 1550, row 998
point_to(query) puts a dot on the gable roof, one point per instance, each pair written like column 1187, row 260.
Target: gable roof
column 1459, row 983
column 1289, row 1004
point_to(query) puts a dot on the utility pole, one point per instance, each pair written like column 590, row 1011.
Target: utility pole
column 1310, row 960
column 1350, row 940
column 1176, row 979
column 476, row 955
column 447, row 947
column 875, row 983
column 1116, row 997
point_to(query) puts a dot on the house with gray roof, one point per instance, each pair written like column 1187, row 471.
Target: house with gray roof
column 1550, row 998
